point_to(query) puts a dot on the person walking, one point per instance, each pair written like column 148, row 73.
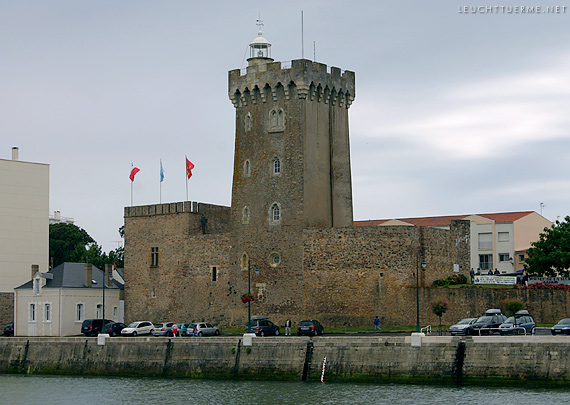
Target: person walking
column 377, row 324
column 472, row 274
column 288, row 327
column 174, row 330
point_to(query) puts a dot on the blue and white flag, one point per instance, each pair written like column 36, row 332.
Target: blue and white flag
column 161, row 172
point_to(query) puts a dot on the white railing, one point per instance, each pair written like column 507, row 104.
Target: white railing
column 427, row 329
column 492, row 330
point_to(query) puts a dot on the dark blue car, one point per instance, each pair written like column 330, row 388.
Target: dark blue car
column 9, row 329
column 115, row 328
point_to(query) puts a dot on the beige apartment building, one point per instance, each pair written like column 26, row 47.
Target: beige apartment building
column 24, row 228
column 497, row 241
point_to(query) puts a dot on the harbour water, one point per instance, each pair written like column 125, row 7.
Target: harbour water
column 40, row 389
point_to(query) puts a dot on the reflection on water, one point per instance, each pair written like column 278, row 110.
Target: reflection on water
column 116, row 390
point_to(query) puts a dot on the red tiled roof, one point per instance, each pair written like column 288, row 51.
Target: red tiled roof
column 446, row 220
column 370, row 222
column 506, row 216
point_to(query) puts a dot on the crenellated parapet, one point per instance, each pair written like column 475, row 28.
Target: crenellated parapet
column 303, row 80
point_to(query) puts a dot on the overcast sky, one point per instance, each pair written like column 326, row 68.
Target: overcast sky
column 455, row 112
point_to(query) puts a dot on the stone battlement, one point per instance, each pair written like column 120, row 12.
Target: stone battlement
column 304, row 80
column 171, row 208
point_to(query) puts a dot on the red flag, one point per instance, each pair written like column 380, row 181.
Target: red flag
column 133, row 172
column 189, row 167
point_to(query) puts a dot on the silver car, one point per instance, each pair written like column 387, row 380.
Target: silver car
column 461, row 327
column 205, row 329
column 163, row 329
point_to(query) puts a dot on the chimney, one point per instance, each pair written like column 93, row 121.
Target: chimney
column 108, row 276
column 88, row 274
column 35, row 269
column 15, row 153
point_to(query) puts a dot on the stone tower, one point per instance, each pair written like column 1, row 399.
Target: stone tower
column 291, row 165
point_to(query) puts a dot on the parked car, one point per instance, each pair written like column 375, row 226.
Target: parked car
column 138, row 328
column 9, row 329
column 310, row 327
column 190, row 329
column 515, row 324
column 205, row 329
column 92, row 327
column 463, row 327
column 162, row 329
column 262, row 326
column 115, row 328
column 561, row 328
column 488, row 323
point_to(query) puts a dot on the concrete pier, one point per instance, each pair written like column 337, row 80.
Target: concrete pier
column 511, row 360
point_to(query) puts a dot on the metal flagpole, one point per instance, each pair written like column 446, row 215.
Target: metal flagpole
column 186, row 174
column 132, row 185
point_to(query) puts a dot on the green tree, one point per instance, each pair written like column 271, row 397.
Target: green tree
column 513, row 306
column 68, row 243
column 550, row 255
column 439, row 307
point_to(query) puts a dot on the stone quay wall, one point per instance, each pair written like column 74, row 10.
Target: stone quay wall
column 510, row 360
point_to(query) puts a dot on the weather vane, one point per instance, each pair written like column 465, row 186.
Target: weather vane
column 259, row 22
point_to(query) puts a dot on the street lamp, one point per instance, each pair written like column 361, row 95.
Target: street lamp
column 249, row 265
column 108, row 269
column 424, row 264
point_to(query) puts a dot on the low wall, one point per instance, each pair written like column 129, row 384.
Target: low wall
column 517, row 359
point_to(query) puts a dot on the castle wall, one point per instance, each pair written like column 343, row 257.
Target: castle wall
column 342, row 276
column 180, row 288
column 354, row 274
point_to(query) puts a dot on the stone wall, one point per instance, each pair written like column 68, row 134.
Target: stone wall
column 182, row 287
column 343, row 276
column 545, row 306
column 6, row 309
column 354, row 274
column 509, row 359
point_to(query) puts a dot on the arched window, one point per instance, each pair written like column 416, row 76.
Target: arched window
column 247, row 168
column 244, row 261
column 275, row 214
column 276, row 165
column 276, row 120
column 245, row 215
column 248, row 122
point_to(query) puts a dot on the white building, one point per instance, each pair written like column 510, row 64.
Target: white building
column 498, row 241
column 24, row 229
column 56, row 218
column 57, row 302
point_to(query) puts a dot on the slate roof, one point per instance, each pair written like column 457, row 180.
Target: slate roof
column 72, row 275
column 446, row 220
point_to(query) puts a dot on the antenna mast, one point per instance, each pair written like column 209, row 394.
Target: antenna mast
column 302, row 37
